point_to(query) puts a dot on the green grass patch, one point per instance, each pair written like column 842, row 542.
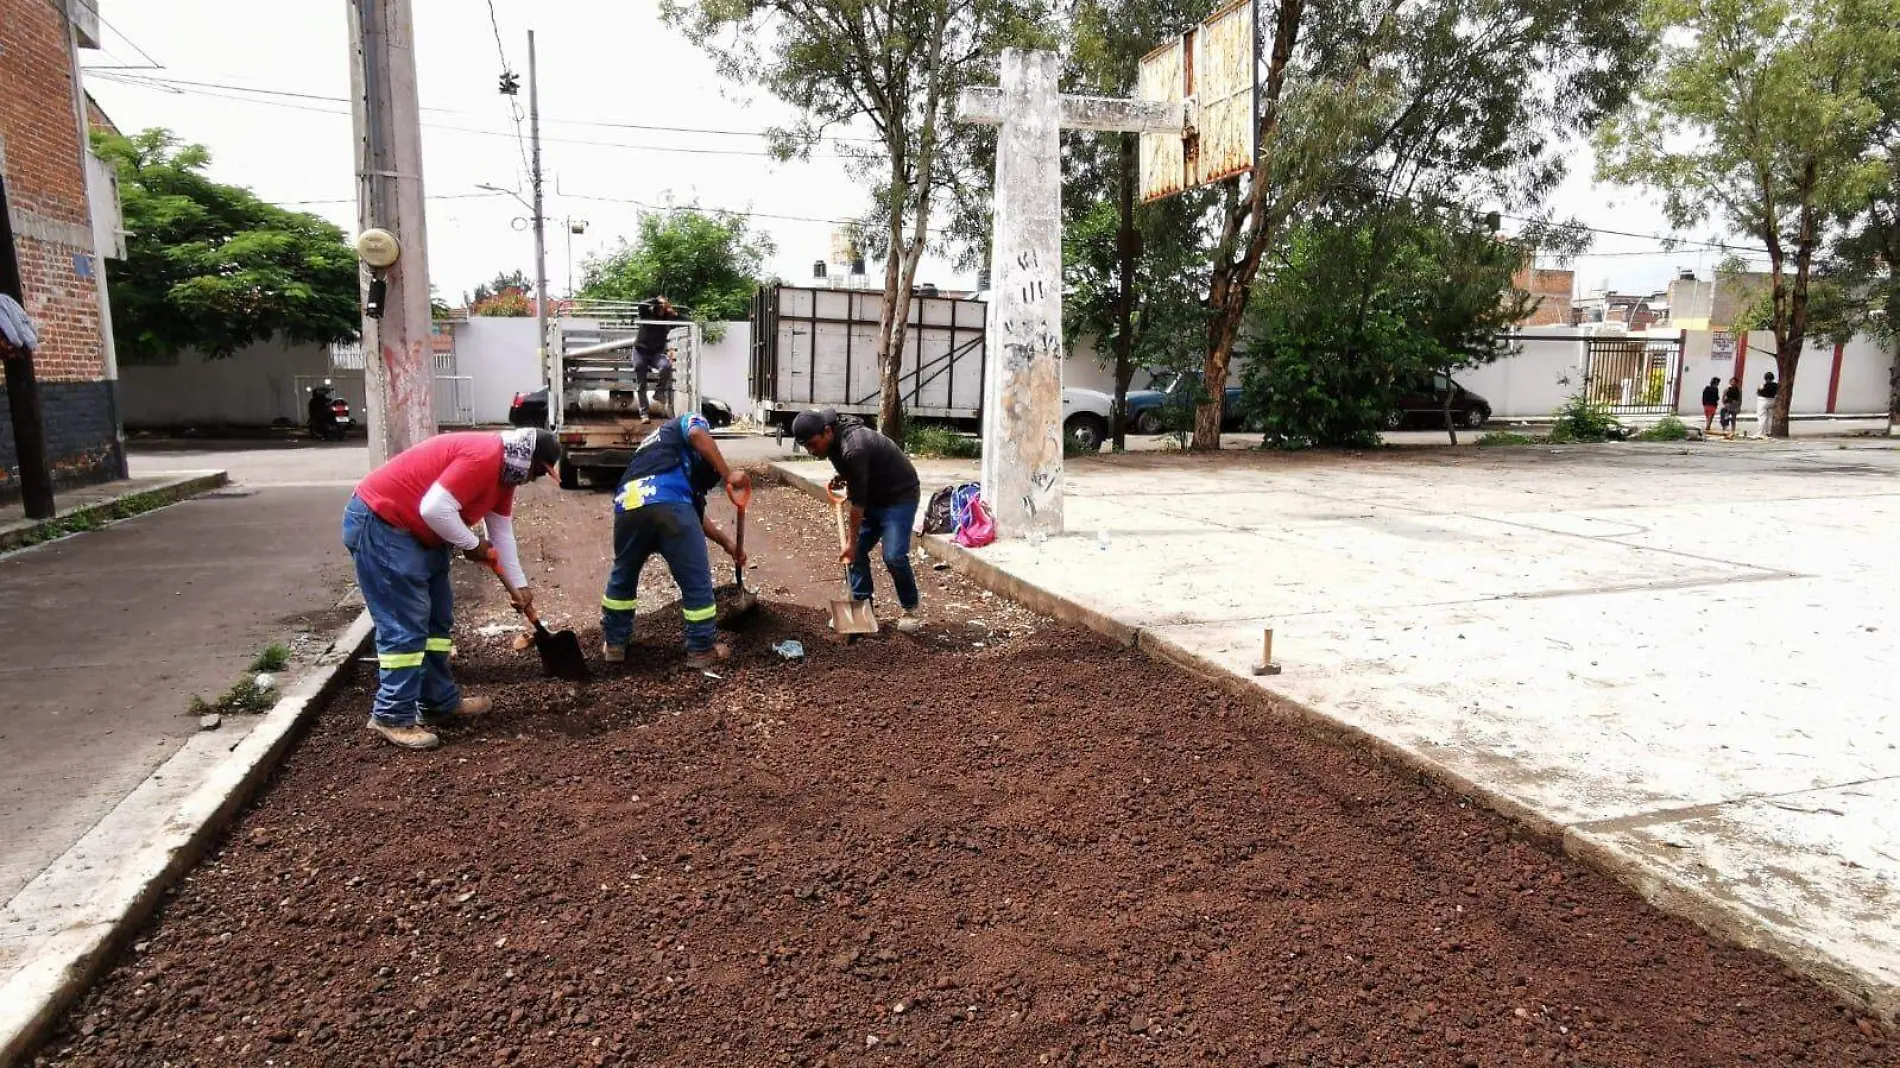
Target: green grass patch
column 1668, row 428
column 93, row 518
column 1507, row 437
column 932, row 442
column 1582, row 420
column 275, row 657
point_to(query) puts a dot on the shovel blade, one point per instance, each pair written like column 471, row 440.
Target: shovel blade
column 853, row 617
column 561, row 655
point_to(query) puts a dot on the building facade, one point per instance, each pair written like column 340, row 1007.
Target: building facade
column 51, row 182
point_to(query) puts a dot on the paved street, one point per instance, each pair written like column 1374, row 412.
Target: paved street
column 1679, row 657
column 110, row 634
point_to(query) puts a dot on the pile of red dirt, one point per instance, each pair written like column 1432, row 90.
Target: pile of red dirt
column 1008, row 843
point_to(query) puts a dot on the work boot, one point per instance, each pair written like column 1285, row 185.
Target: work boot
column 406, row 736
column 469, row 708
column 702, row 661
column 911, row 622
column 613, row 654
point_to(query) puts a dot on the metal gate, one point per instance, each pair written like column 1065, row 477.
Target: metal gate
column 1633, row 375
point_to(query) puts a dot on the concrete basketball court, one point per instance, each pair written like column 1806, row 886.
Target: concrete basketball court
column 1680, row 659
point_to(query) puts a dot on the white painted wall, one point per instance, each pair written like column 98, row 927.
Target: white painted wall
column 725, row 371
column 253, row 387
column 1531, row 384
column 497, row 355
column 1865, row 365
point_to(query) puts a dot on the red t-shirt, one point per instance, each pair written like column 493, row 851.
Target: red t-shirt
column 467, row 464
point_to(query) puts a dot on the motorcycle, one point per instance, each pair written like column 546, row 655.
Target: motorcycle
column 329, row 415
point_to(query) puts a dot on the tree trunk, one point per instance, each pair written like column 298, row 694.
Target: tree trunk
column 1787, row 357
column 1128, row 248
column 893, row 310
column 1893, row 386
column 1451, row 430
column 1249, row 228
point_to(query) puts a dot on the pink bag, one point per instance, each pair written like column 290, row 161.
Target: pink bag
column 976, row 528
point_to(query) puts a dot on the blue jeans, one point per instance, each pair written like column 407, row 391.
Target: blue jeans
column 672, row 529
column 406, row 587
column 890, row 525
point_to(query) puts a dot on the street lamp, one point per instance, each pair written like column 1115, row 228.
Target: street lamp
column 574, row 226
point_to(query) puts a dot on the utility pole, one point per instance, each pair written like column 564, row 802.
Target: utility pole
column 398, row 359
column 23, row 389
column 540, row 217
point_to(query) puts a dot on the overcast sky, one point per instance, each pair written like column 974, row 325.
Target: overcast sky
column 606, row 68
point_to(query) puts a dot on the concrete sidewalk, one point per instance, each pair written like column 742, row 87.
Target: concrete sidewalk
column 1677, row 658
column 110, row 635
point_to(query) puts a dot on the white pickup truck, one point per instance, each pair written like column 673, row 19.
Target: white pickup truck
column 1086, row 415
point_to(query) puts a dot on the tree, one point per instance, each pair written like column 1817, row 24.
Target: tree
column 211, row 267
column 708, row 264
column 515, row 281
column 1133, row 277
column 895, row 65
column 1478, row 93
column 1372, row 299
column 1767, row 115
column 510, row 303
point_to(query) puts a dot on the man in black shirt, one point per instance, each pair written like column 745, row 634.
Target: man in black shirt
column 1711, row 399
column 882, row 488
column 649, row 351
column 1765, row 405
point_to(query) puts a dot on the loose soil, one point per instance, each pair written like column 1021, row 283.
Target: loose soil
column 1005, row 843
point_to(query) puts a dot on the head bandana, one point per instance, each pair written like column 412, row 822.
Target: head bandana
column 517, row 455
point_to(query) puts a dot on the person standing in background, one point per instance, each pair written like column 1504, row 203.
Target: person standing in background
column 1711, row 400
column 1765, row 405
column 1731, row 406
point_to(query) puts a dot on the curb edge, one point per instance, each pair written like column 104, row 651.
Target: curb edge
column 66, row 965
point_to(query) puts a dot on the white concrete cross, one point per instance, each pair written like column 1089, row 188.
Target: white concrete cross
column 1022, row 402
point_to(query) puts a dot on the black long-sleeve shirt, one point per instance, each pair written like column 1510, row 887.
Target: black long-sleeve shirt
column 876, row 472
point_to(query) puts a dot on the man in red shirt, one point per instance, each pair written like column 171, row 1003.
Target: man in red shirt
column 399, row 528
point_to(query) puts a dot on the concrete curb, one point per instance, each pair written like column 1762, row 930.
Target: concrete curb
column 20, row 535
column 1663, row 888
column 67, row 963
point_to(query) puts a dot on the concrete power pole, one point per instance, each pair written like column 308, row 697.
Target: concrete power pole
column 398, row 359
column 540, row 217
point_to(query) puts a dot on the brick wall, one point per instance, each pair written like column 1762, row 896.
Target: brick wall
column 1552, row 290
column 82, row 436
column 43, row 162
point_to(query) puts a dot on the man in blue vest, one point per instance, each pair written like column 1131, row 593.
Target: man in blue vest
column 660, row 507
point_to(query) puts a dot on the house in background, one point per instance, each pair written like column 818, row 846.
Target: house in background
column 1714, row 304
column 1552, row 289
column 1634, row 311
column 62, row 205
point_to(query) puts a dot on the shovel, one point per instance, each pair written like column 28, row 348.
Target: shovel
column 849, row 616
column 744, row 601
column 561, row 655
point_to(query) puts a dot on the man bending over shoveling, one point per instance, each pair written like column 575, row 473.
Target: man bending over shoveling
column 399, row 528
column 660, row 507
column 882, row 488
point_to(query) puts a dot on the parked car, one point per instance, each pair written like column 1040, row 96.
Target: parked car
column 1085, row 416
column 1424, row 406
column 1147, row 408
column 531, row 409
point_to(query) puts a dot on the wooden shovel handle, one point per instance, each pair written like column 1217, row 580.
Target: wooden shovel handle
column 514, row 595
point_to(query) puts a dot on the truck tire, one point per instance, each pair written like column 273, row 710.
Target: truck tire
column 1088, row 430
column 1148, row 422
column 570, row 476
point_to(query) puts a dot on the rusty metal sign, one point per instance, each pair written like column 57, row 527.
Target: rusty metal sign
column 1212, row 68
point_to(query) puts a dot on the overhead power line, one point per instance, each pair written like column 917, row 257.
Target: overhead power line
column 182, row 84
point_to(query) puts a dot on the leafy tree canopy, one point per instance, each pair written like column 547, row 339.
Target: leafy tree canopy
column 1371, row 301
column 708, row 263
column 211, row 267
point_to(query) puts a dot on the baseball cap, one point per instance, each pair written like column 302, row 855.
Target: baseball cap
column 809, row 424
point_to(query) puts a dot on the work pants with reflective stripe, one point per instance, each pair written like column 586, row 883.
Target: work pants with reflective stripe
column 672, row 529
column 405, row 584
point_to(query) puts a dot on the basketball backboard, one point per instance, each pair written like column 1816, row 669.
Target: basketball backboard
column 1212, row 68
